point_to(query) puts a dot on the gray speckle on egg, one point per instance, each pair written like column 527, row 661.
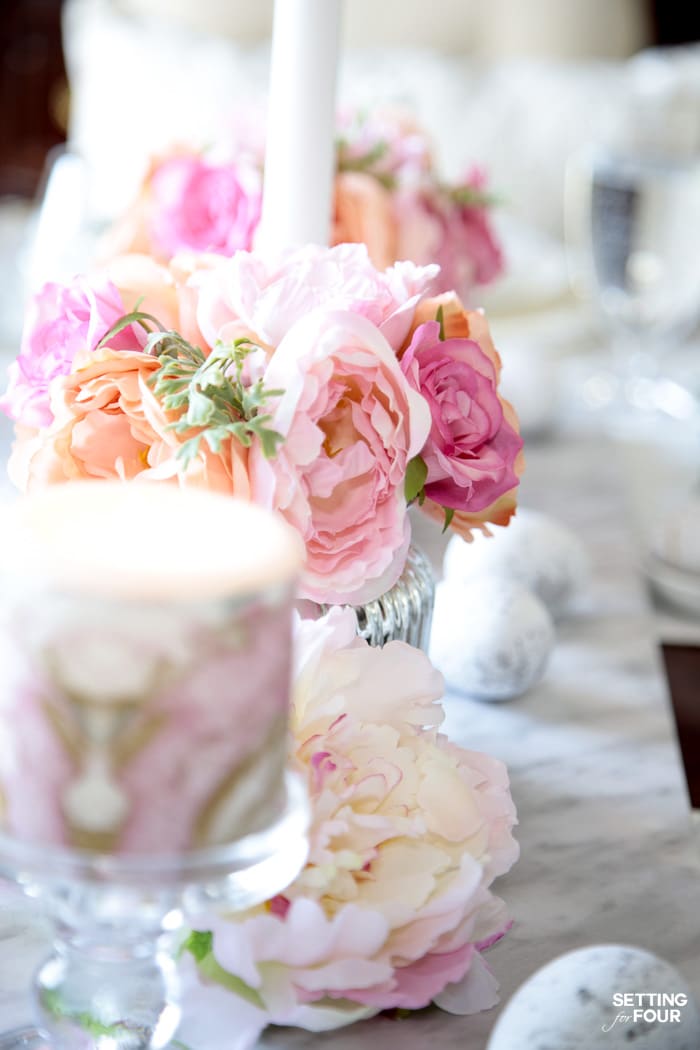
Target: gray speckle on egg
column 569, row 1005
column 491, row 638
column 535, row 549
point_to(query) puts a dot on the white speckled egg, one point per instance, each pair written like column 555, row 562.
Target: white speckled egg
column 576, row 1002
column 491, row 637
column 535, row 549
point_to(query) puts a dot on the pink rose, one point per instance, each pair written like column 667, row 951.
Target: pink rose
column 194, row 205
column 61, row 321
column 472, row 447
column 351, row 423
column 267, row 296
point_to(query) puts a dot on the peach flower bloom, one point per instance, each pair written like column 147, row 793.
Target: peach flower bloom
column 364, row 214
column 167, row 292
column 108, row 424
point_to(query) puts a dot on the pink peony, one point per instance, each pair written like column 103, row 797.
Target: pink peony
column 408, row 832
column 61, row 321
column 472, row 448
column 351, row 423
column 268, row 296
column 195, row 205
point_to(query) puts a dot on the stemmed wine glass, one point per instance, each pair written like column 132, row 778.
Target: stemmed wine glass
column 143, row 772
column 632, row 216
column 632, row 212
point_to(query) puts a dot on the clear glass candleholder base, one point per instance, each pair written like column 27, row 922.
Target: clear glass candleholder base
column 30, row 1038
column 111, row 980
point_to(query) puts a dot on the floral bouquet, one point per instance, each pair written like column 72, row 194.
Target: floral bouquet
column 311, row 383
column 394, row 906
column 387, row 195
column 336, row 394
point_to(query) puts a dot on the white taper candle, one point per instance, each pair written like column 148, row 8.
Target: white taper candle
column 299, row 160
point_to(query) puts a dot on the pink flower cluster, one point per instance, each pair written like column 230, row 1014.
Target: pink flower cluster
column 387, row 196
column 371, row 381
column 408, row 833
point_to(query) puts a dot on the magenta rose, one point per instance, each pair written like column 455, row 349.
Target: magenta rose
column 195, row 205
column 351, row 422
column 60, row 321
column 473, row 444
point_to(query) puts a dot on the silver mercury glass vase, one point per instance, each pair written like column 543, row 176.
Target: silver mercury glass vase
column 404, row 612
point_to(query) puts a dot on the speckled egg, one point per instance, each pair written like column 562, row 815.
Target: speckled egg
column 491, row 637
column 535, row 549
column 589, row 1000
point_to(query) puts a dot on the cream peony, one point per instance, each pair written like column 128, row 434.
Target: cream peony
column 408, row 833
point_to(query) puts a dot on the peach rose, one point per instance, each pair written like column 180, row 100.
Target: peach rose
column 364, row 214
column 167, row 292
column 108, row 424
column 100, row 429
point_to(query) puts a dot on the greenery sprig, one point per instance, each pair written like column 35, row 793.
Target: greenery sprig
column 208, row 393
column 367, row 162
column 471, row 196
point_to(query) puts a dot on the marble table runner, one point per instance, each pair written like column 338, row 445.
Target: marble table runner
column 608, row 853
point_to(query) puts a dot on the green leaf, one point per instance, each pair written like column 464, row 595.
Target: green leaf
column 53, row 1004
column 199, row 944
column 440, row 318
column 135, row 317
column 472, row 197
column 449, row 515
column 211, row 396
column 416, row 474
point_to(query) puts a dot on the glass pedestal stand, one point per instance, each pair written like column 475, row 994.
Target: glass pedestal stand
column 110, row 982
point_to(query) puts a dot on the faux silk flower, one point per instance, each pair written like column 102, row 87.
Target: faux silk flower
column 100, row 426
column 190, row 204
column 61, row 321
column 267, row 296
column 108, row 424
column 199, row 206
column 433, row 226
column 363, row 213
column 408, row 832
column 472, row 448
column 350, row 423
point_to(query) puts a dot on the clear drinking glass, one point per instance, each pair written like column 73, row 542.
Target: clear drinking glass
column 143, row 713
column 632, row 212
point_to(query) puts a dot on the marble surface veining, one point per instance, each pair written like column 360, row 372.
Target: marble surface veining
column 608, row 853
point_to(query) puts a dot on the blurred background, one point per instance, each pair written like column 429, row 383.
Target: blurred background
column 515, row 88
